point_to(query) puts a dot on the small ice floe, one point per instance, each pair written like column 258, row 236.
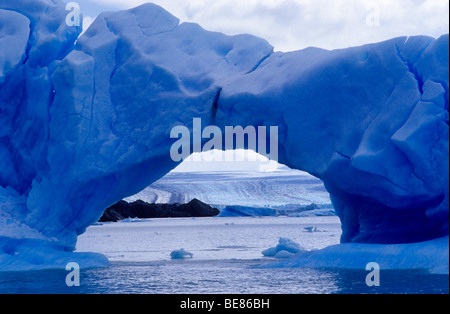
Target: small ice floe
column 129, row 219
column 311, row 229
column 285, row 249
column 181, row 254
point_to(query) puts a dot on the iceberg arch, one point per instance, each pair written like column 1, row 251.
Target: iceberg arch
column 85, row 122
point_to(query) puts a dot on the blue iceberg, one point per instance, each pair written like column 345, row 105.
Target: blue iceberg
column 85, row 121
column 285, row 248
column 180, row 254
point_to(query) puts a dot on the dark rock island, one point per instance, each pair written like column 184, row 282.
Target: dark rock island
column 141, row 209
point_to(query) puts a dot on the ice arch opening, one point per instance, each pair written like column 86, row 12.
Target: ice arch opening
column 80, row 123
column 240, row 179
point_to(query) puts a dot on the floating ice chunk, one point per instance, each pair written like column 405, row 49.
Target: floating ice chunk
column 310, row 229
column 129, row 219
column 244, row 211
column 180, row 254
column 285, row 248
column 431, row 256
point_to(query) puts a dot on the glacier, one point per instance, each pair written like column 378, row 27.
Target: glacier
column 85, row 121
column 250, row 183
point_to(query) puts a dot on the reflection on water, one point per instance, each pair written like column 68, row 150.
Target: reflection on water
column 220, row 277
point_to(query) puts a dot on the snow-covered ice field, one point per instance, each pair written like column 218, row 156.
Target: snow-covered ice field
column 217, row 238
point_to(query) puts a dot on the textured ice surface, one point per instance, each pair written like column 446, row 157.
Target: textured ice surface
column 83, row 126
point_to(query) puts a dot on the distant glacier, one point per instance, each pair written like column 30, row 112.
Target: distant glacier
column 237, row 188
column 250, row 186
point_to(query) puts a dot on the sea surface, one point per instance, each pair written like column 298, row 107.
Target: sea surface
column 226, row 259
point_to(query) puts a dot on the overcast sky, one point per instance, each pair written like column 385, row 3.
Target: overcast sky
column 297, row 24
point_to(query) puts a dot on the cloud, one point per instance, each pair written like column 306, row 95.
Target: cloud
column 297, row 24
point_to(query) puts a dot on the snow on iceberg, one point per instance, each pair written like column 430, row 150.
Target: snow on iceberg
column 85, row 123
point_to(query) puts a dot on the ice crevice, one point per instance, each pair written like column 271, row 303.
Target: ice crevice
column 412, row 69
column 379, row 145
column 215, row 105
column 343, row 155
column 260, row 62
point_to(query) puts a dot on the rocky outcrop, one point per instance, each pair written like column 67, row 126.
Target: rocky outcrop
column 141, row 209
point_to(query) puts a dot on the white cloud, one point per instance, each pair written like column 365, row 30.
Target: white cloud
column 296, row 24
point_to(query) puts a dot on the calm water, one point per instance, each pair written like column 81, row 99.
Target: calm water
column 227, row 260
